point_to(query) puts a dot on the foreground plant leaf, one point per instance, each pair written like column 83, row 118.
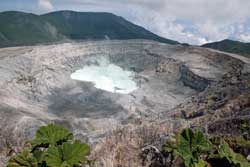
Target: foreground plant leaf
column 51, row 135
column 39, row 155
column 191, row 145
column 234, row 158
column 24, row 159
column 201, row 163
column 67, row 155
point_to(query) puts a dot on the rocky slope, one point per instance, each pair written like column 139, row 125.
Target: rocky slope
column 178, row 86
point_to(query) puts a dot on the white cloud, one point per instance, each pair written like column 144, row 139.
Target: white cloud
column 210, row 20
column 245, row 37
column 201, row 20
column 45, row 4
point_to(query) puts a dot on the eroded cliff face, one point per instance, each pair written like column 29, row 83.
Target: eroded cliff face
column 174, row 87
column 224, row 105
column 220, row 109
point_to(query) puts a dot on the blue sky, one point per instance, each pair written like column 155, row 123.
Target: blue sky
column 190, row 21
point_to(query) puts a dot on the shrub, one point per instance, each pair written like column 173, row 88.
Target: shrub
column 53, row 146
column 196, row 150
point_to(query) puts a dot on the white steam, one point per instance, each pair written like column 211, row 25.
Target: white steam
column 107, row 76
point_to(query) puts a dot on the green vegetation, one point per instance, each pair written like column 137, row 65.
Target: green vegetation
column 53, row 146
column 196, row 150
column 191, row 145
column 235, row 159
column 17, row 28
column 231, row 47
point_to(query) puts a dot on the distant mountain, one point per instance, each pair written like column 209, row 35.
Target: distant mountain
column 231, row 47
column 18, row 28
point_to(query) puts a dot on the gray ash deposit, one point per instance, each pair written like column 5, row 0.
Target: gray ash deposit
column 36, row 86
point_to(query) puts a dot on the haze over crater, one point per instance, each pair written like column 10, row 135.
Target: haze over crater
column 107, row 76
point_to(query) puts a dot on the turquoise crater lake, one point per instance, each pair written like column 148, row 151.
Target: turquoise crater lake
column 107, row 76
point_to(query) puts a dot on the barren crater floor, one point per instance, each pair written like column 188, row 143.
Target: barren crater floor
column 36, row 85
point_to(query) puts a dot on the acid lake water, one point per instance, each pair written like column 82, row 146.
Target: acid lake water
column 107, row 76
